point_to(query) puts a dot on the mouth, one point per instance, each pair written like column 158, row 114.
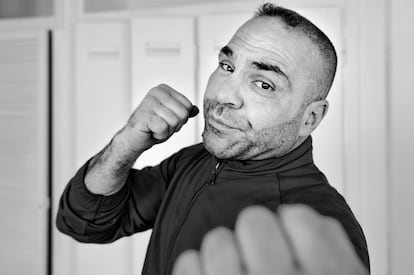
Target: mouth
column 220, row 125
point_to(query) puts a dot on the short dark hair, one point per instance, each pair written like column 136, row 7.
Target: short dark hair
column 299, row 23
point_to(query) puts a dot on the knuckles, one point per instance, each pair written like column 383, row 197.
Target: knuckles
column 253, row 218
column 318, row 252
column 301, row 216
column 215, row 240
column 188, row 263
column 162, row 112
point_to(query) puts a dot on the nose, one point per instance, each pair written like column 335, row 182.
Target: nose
column 228, row 93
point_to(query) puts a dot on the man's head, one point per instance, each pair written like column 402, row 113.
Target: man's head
column 268, row 91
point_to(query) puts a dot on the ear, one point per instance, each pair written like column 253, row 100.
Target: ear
column 312, row 116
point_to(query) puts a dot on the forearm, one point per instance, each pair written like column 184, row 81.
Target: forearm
column 109, row 169
column 161, row 113
column 99, row 202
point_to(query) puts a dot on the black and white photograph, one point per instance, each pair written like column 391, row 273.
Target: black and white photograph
column 206, row 137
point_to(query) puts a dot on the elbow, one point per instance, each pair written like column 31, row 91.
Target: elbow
column 84, row 232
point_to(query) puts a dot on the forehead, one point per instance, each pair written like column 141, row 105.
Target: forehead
column 269, row 39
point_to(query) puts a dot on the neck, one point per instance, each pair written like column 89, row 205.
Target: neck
column 278, row 152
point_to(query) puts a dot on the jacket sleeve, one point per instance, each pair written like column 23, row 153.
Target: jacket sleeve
column 94, row 218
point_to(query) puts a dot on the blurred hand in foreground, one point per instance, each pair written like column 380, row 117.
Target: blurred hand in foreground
column 298, row 241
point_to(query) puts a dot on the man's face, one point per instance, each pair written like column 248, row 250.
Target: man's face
column 253, row 102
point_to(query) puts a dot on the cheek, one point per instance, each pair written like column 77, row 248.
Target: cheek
column 212, row 85
column 264, row 114
column 268, row 113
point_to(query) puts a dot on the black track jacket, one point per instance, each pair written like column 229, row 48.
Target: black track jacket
column 192, row 192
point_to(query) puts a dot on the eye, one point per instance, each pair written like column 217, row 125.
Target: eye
column 264, row 85
column 226, row 67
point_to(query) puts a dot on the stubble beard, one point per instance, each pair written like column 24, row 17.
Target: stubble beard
column 254, row 144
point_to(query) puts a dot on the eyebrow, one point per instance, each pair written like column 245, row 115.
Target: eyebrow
column 226, row 51
column 269, row 67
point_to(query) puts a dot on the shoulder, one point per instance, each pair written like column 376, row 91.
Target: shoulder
column 313, row 189
column 191, row 152
column 327, row 201
column 186, row 156
column 308, row 185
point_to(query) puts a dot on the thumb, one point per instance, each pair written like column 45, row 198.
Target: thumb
column 194, row 111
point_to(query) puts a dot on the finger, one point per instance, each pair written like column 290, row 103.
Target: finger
column 174, row 122
column 173, row 100
column 158, row 127
column 320, row 243
column 262, row 243
column 165, row 100
column 194, row 111
column 178, row 96
column 188, row 263
column 219, row 253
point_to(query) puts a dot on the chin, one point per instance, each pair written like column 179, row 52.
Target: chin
column 223, row 147
column 216, row 146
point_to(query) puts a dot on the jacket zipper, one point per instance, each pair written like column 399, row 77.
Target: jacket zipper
column 214, row 173
column 211, row 181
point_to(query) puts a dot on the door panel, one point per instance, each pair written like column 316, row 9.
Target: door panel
column 24, row 161
column 163, row 51
column 101, row 101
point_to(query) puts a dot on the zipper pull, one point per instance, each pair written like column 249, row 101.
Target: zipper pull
column 214, row 173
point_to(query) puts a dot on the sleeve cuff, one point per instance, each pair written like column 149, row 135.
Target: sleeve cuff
column 89, row 200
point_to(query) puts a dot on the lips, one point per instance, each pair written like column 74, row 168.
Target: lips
column 219, row 124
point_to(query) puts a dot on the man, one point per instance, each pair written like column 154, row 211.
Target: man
column 261, row 104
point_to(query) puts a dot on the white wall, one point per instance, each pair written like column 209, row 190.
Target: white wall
column 401, row 135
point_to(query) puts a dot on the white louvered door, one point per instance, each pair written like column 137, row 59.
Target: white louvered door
column 24, row 153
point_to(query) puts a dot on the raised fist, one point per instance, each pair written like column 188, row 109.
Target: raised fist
column 298, row 241
column 162, row 112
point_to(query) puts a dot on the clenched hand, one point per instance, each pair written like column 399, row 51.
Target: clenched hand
column 297, row 242
column 162, row 112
